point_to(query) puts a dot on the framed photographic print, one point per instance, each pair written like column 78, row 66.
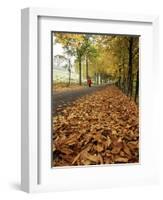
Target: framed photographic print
column 86, row 81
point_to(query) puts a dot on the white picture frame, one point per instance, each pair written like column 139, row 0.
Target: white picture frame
column 36, row 172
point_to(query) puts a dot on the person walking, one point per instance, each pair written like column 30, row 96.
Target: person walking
column 89, row 82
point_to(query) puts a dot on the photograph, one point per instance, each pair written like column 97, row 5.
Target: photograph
column 94, row 99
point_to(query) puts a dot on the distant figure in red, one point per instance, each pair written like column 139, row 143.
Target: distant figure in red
column 89, row 82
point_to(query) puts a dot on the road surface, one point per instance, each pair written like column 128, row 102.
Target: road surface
column 62, row 99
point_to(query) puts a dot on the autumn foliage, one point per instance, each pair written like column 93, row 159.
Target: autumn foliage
column 100, row 128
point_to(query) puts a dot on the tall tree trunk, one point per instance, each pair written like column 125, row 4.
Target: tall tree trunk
column 137, row 86
column 80, row 75
column 129, row 84
column 69, row 70
column 97, row 78
column 101, row 78
column 131, row 88
column 119, row 80
column 86, row 63
column 124, row 79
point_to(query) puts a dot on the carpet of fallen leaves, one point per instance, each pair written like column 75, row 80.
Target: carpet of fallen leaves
column 101, row 128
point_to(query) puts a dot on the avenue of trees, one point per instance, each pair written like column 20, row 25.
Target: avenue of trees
column 103, row 58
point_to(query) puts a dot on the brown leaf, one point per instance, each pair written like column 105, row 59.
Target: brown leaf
column 126, row 149
column 121, row 159
column 65, row 150
column 117, row 146
column 94, row 158
column 133, row 145
column 81, row 153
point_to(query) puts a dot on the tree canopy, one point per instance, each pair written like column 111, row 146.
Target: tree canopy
column 104, row 58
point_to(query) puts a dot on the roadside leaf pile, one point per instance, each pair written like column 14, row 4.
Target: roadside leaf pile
column 101, row 128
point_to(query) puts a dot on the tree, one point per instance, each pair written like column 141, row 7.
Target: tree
column 90, row 51
column 60, row 60
column 75, row 44
column 129, row 89
column 137, row 86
